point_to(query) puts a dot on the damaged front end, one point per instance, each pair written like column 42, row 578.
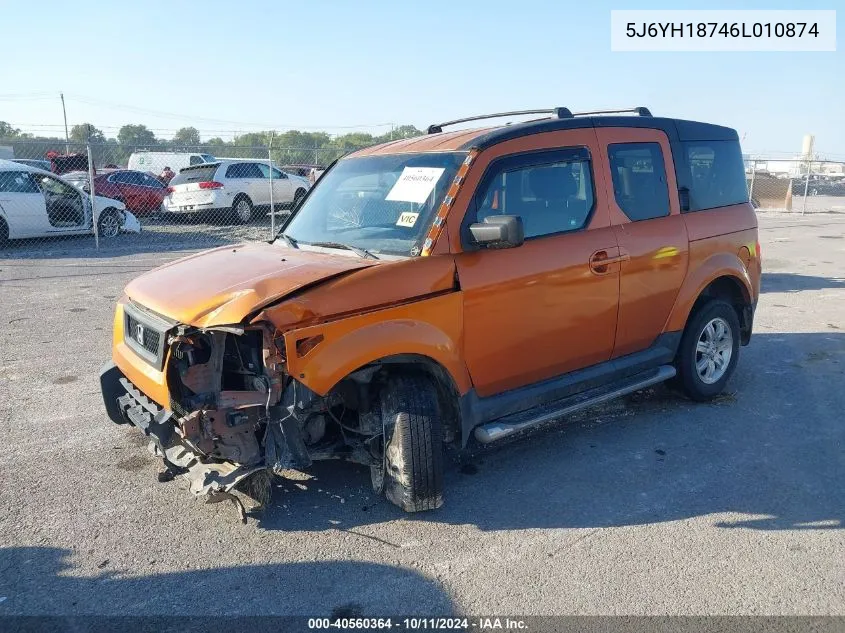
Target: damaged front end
column 234, row 411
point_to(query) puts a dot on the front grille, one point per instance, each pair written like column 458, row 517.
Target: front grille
column 142, row 334
column 146, row 334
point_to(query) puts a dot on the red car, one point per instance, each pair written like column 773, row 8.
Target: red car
column 142, row 193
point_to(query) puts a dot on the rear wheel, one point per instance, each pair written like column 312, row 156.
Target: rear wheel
column 709, row 350
column 108, row 225
column 411, row 470
column 4, row 232
column 242, row 210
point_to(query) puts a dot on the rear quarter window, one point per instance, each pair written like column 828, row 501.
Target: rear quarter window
column 717, row 174
column 196, row 174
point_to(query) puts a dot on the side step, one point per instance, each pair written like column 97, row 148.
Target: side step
column 510, row 424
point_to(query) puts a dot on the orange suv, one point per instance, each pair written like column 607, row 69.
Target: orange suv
column 459, row 286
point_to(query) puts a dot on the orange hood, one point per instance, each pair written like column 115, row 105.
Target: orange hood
column 224, row 285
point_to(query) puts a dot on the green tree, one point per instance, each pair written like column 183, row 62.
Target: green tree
column 79, row 134
column 7, row 131
column 136, row 135
column 186, row 136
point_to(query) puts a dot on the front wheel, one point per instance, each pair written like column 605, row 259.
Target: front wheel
column 709, row 350
column 297, row 198
column 108, row 225
column 411, row 470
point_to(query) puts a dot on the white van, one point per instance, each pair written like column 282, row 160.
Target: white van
column 155, row 162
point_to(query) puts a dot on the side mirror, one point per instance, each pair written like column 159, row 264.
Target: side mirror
column 498, row 231
column 86, row 188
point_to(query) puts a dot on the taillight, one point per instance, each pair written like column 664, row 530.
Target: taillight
column 758, row 251
column 211, row 184
column 168, row 190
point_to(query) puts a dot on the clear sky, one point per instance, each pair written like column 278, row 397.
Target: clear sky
column 225, row 65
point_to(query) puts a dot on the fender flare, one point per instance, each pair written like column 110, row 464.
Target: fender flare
column 344, row 348
column 719, row 265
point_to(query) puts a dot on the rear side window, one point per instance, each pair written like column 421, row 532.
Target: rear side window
column 17, row 182
column 127, row 178
column 196, row 160
column 194, row 174
column 717, row 174
column 639, row 180
column 243, row 170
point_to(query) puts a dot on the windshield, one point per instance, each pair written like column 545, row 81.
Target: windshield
column 383, row 204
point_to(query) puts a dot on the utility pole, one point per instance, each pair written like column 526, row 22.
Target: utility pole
column 64, row 113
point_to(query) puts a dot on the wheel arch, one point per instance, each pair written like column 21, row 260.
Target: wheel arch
column 721, row 277
column 448, row 392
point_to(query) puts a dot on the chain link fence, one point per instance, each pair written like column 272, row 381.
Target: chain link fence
column 799, row 185
column 183, row 198
column 146, row 199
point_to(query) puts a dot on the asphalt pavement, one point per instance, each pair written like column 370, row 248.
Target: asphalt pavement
column 650, row 505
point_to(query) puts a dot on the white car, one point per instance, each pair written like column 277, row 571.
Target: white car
column 237, row 188
column 37, row 203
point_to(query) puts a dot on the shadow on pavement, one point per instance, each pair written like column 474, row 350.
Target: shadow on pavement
column 42, row 581
column 793, row 282
column 769, row 450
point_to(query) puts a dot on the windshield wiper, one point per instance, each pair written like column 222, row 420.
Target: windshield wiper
column 287, row 238
column 361, row 252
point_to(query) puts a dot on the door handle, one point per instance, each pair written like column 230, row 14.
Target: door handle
column 601, row 260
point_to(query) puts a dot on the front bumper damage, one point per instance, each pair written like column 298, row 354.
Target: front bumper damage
column 280, row 445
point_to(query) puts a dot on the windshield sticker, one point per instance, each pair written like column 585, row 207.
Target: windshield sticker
column 415, row 184
column 407, row 219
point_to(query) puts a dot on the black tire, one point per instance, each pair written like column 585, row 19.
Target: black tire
column 689, row 379
column 108, row 224
column 411, row 473
column 297, row 198
column 4, row 232
column 242, row 211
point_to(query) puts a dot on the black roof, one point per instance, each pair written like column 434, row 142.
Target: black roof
column 675, row 129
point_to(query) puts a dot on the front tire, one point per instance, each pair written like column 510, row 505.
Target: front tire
column 411, row 471
column 297, row 198
column 108, row 224
column 709, row 350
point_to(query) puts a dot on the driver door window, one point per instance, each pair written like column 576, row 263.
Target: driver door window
column 552, row 196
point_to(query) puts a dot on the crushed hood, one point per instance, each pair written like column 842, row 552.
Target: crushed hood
column 224, row 285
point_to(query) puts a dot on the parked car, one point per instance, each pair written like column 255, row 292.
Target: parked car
column 236, row 188
column 142, row 193
column 300, row 169
column 155, row 162
column 460, row 286
column 817, row 186
column 31, row 162
column 36, row 203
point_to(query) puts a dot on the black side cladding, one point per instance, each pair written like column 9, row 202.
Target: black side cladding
column 414, row 450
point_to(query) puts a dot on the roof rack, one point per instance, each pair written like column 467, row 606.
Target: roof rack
column 639, row 111
column 557, row 113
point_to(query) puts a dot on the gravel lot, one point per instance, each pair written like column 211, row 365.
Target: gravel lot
column 652, row 505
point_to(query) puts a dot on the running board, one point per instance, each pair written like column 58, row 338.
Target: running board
column 510, row 424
